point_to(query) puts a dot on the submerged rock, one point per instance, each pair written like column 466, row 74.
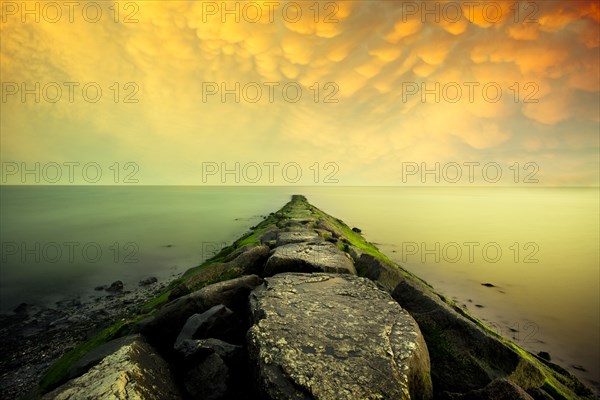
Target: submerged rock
column 309, row 257
column 115, row 287
column 148, row 281
column 328, row 336
column 545, row 355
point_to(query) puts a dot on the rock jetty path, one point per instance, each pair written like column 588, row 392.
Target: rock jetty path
column 302, row 307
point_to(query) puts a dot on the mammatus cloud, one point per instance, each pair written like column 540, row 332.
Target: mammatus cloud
column 381, row 82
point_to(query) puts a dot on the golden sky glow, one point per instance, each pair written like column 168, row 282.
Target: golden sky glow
column 372, row 59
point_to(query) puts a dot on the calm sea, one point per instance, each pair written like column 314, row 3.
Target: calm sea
column 539, row 247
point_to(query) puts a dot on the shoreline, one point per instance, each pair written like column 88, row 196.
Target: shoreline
column 34, row 336
column 512, row 324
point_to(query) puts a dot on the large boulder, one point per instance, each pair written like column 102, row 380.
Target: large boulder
column 297, row 236
column 209, row 379
column 329, row 336
column 96, row 355
column 377, row 270
column 497, row 389
column 195, row 350
column 115, row 287
column 251, row 261
column 217, row 322
column 213, row 369
column 243, row 261
column 163, row 328
column 464, row 355
column 309, row 257
column 134, row 371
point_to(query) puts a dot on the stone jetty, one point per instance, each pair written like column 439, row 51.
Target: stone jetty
column 303, row 307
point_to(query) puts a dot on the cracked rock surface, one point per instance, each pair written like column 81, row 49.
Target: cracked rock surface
column 329, row 336
column 135, row 371
column 309, row 257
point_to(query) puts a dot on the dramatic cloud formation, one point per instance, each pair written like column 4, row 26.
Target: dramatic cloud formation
column 367, row 85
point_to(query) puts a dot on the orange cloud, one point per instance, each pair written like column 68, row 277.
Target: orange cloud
column 371, row 52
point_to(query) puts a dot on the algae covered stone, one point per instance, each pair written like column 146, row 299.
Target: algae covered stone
column 309, row 257
column 134, row 371
column 329, row 336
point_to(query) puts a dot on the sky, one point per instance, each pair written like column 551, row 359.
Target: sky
column 304, row 92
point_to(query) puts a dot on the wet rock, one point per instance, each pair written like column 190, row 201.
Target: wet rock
column 21, row 308
column 545, row 355
column 377, row 270
column 309, row 257
column 217, row 322
column 464, row 357
column 324, row 224
column 539, row 394
column 369, row 266
column 10, row 320
column 326, row 235
column 75, row 302
column 355, row 253
column 134, row 371
column 66, row 321
column 191, row 350
column 178, row 291
column 329, row 336
column 115, row 287
column 208, row 380
column 249, row 261
column 28, row 309
column 297, row 236
column 164, row 327
column 29, row 344
column 269, row 235
column 148, row 281
column 96, row 355
column 497, row 389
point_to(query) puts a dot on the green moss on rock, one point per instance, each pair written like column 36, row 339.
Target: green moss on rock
column 57, row 373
